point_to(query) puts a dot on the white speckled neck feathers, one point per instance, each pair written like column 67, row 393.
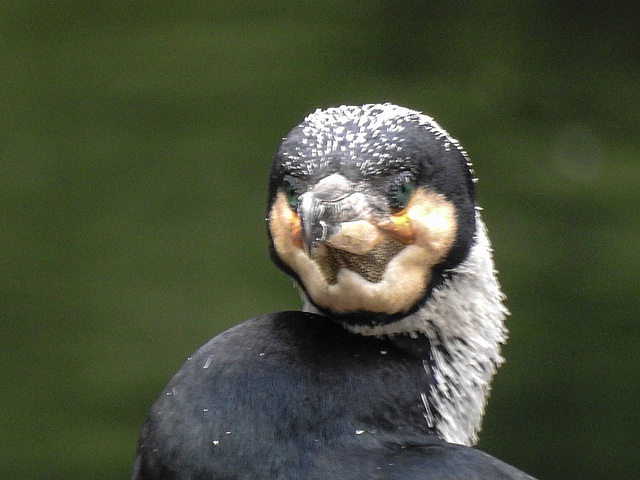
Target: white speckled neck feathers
column 464, row 322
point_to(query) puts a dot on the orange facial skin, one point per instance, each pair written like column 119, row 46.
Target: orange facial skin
column 426, row 228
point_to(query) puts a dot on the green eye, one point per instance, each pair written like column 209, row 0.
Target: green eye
column 399, row 196
column 292, row 196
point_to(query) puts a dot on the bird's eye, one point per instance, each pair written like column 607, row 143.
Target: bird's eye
column 399, row 196
column 292, row 196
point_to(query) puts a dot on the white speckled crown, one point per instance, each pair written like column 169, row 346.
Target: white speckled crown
column 379, row 129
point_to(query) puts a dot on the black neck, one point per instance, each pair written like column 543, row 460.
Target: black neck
column 388, row 379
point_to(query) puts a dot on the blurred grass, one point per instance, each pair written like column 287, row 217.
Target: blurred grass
column 136, row 140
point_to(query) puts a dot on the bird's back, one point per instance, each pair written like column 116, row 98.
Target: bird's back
column 293, row 395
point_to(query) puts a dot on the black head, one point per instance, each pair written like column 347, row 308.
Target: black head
column 368, row 209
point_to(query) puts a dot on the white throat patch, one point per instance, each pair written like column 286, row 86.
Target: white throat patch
column 464, row 322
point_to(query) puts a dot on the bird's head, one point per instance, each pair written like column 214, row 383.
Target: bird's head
column 369, row 207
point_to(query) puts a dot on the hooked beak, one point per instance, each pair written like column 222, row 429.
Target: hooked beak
column 332, row 213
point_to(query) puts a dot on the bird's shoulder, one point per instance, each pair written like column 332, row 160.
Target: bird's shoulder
column 441, row 460
column 277, row 388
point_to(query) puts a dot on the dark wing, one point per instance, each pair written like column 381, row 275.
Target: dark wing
column 251, row 403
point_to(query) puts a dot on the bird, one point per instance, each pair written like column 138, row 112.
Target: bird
column 386, row 370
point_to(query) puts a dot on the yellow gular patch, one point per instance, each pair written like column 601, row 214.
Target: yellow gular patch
column 431, row 220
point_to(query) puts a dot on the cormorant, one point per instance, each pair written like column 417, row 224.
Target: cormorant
column 386, row 371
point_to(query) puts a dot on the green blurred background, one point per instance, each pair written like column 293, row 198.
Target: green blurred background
column 135, row 141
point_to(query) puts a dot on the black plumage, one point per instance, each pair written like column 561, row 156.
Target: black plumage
column 294, row 396
column 348, row 394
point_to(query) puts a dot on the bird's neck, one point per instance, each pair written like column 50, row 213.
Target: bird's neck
column 463, row 321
